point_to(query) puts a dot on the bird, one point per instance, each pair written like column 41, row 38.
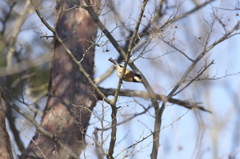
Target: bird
column 129, row 76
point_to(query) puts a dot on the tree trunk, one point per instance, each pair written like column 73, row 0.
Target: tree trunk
column 70, row 98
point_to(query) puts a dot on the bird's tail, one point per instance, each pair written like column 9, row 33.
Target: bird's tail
column 113, row 61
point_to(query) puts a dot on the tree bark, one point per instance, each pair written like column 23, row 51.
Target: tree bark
column 70, row 98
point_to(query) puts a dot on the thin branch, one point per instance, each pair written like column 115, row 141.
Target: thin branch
column 144, row 138
column 185, row 14
column 14, row 33
column 216, row 78
column 200, row 56
column 101, row 78
column 145, row 95
column 177, row 49
column 131, row 43
column 94, row 16
column 194, row 79
column 128, row 119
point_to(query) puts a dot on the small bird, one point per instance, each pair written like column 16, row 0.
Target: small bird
column 129, row 76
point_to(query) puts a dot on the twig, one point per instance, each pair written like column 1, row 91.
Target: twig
column 194, row 78
column 200, row 56
column 177, row 50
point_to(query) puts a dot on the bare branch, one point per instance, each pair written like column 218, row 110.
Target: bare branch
column 177, row 50
column 226, row 36
column 133, row 93
column 103, row 28
column 194, row 79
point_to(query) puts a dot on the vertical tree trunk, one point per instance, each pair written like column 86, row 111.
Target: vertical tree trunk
column 70, row 97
